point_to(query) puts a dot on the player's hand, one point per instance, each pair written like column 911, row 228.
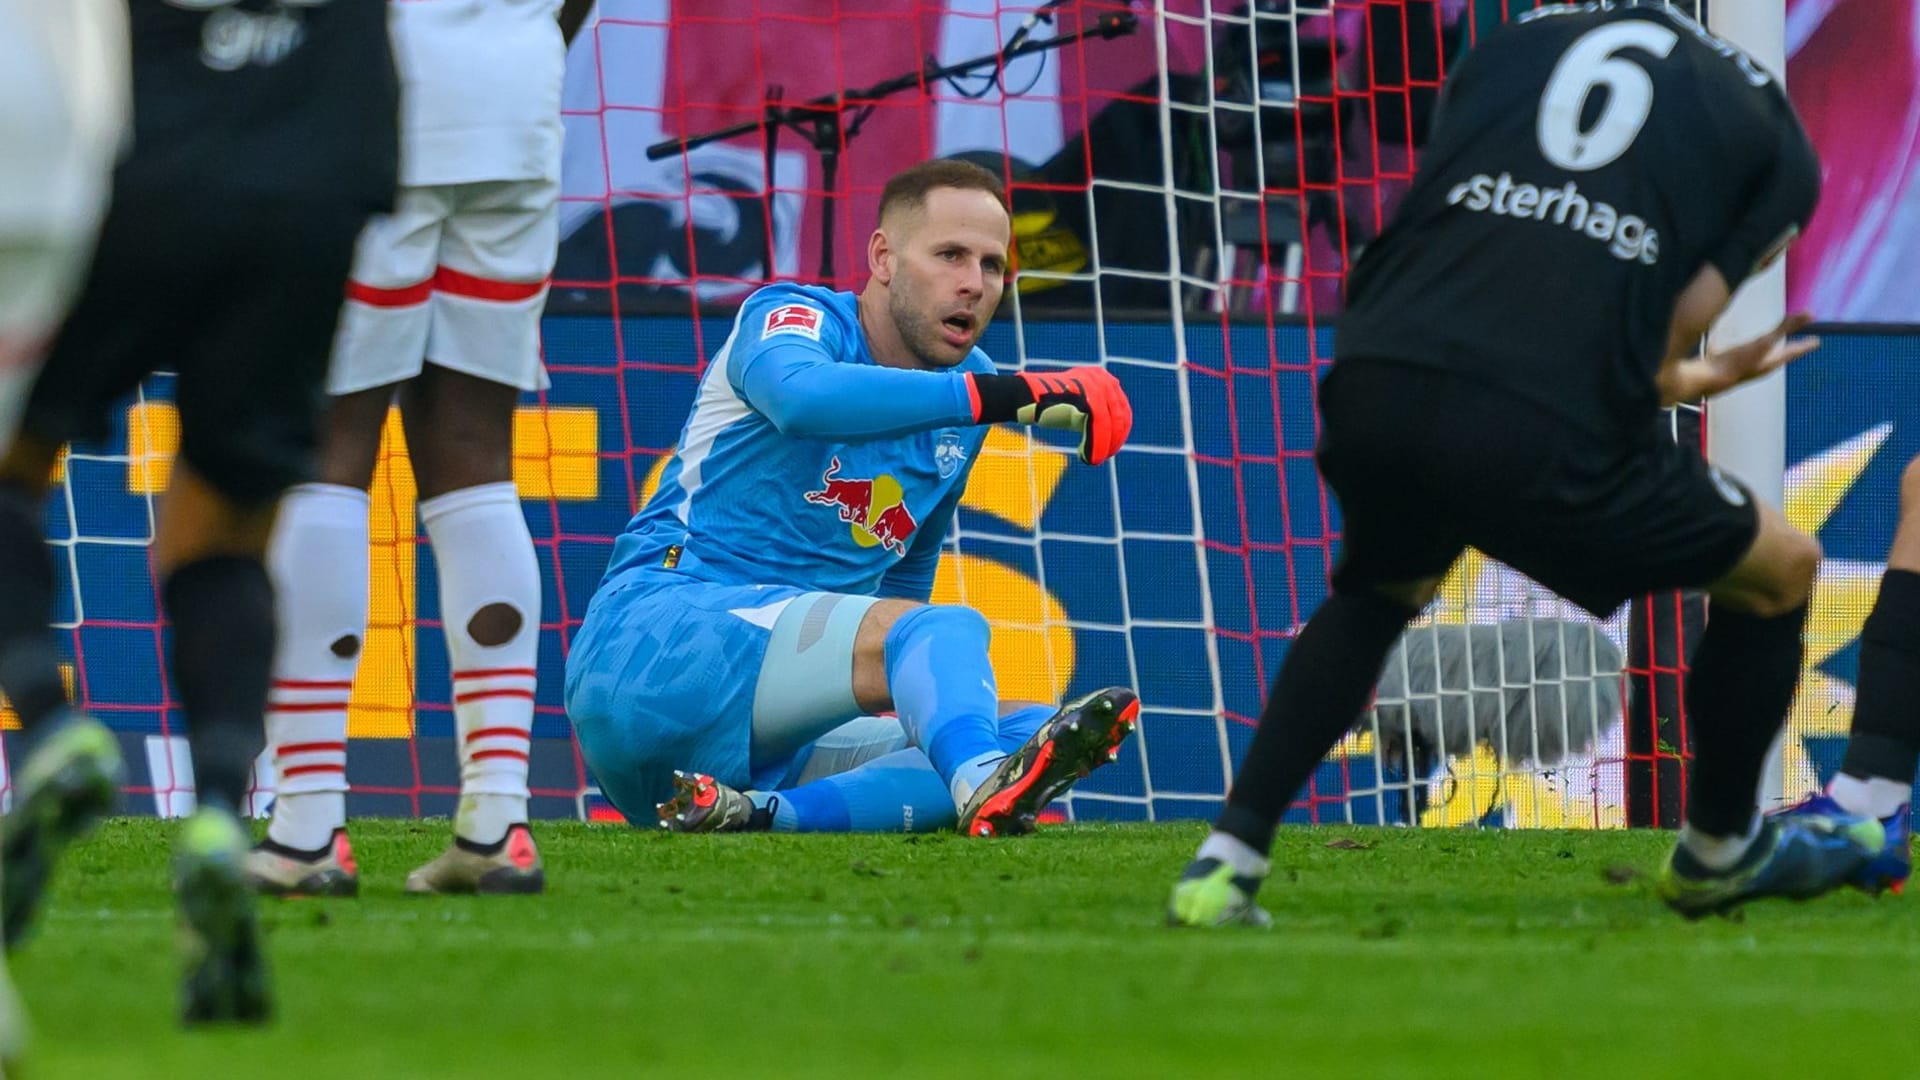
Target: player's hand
column 1763, row 355
column 1088, row 400
column 1719, row 370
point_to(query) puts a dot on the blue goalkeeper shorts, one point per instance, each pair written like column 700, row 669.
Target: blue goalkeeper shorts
column 674, row 676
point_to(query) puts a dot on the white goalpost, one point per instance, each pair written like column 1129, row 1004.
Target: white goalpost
column 1746, row 429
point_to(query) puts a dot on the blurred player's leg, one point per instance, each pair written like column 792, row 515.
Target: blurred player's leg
column 1387, row 572
column 63, row 111
column 215, row 287
column 208, row 550
column 71, row 771
column 1741, row 683
column 1323, row 684
column 248, row 432
column 496, row 252
column 1877, row 775
column 13, row 1022
column 1019, row 723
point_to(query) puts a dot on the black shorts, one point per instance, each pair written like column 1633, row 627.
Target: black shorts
column 1426, row 464
column 239, row 298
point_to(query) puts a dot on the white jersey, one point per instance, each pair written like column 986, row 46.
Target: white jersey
column 64, row 105
column 65, row 95
column 480, row 89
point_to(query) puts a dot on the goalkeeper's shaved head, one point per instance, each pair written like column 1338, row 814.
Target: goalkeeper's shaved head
column 907, row 192
column 939, row 261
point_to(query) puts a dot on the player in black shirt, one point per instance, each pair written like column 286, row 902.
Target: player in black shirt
column 265, row 135
column 1601, row 176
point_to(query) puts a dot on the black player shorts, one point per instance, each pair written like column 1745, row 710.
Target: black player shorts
column 1426, row 464
column 240, row 298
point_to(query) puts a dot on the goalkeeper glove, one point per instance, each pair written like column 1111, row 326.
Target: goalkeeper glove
column 1088, row 400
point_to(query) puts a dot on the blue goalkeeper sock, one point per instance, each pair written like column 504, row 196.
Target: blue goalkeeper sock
column 1018, row 726
column 943, row 690
column 894, row 792
column 898, row 792
column 785, row 818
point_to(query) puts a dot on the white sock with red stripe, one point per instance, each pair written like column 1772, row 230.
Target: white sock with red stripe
column 487, row 567
column 318, row 559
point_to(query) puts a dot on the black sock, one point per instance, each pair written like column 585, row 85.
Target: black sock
column 1886, row 713
column 1738, row 691
column 223, row 637
column 29, row 662
column 1325, row 682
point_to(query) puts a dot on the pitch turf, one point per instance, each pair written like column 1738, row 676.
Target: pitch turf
column 1396, row 953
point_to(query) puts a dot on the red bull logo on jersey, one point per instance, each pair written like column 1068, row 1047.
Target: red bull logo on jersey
column 876, row 508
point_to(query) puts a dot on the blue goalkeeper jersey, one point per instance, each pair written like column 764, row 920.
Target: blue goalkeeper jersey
column 806, row 463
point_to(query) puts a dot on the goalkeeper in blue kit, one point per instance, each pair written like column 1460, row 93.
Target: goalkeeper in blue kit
column 770, row 602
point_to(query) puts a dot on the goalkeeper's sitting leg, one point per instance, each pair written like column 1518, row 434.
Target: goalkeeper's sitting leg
column 737, row 682
column 862, row 777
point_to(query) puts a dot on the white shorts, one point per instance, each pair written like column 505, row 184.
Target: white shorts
column 457, row 277
column 63, row 114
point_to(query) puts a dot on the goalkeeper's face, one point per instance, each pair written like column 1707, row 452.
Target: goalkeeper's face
column 949, row 263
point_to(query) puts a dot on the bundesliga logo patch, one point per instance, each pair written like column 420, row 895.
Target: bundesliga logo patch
column 792, row 319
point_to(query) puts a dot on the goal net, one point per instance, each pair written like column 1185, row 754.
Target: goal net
column 1190, row 181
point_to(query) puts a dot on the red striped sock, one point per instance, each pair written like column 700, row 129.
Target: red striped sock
column 493, row 714
column 486, row 562
column 318, row 559
column 307, row 729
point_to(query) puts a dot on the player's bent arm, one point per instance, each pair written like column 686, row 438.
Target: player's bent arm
column 1681, row 375
column 804, row 393
column 809, row 396
column 1692, row 372
column 1781, row 202
column 1704, row 298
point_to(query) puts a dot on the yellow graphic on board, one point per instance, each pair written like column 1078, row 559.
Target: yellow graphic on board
column 153, row 437
column 1843, row 594
column 383, row 693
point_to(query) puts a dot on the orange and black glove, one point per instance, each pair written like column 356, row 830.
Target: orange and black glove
column 1088, row 400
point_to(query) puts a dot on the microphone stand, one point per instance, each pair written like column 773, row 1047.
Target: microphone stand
column 824, row 121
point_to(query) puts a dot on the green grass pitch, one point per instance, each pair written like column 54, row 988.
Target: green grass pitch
column 1395, row 954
